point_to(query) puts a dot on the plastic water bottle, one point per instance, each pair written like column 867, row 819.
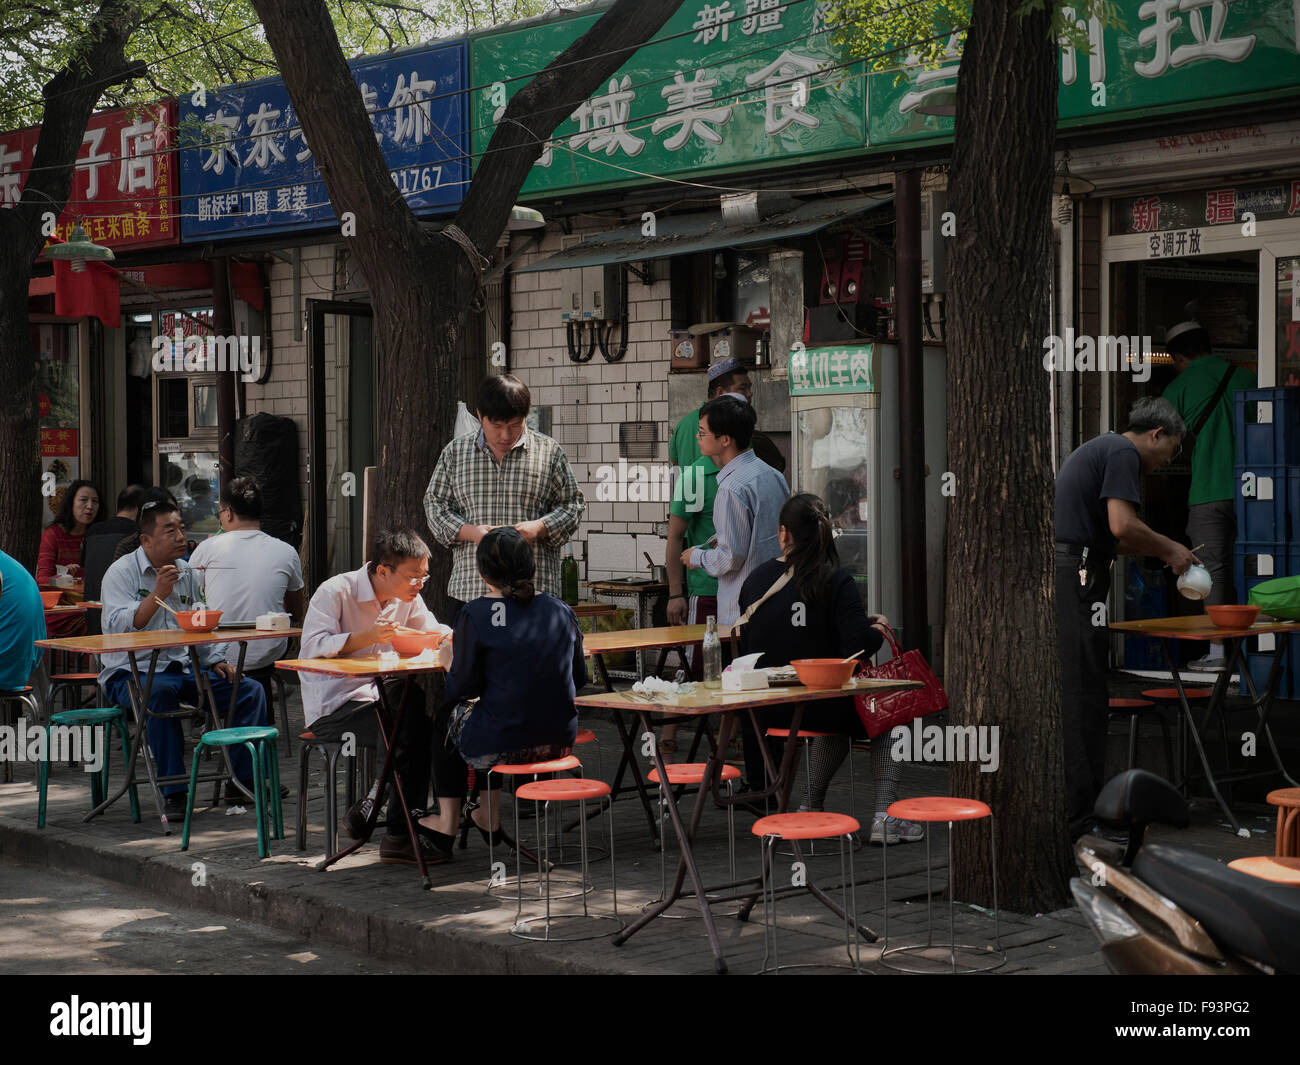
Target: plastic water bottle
column 712, row 654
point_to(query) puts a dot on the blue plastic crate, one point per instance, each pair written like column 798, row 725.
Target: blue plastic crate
column 1272, row 514
column 1249, row 568
column 1260, row 662
column 1269, row 434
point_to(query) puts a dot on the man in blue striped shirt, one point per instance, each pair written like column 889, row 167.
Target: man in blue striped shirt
column 748, row 503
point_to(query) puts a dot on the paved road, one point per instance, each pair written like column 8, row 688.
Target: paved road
column 57, row 923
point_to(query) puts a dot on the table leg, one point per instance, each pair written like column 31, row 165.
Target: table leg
column 686, row 865
column 628, row 759
column 139, row 704
column 1216, row 702
column 210, row 707
column 388, row 738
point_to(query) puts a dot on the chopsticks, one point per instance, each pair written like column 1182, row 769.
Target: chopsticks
column 164, row 606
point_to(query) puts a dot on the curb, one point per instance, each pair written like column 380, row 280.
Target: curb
column 292, row 907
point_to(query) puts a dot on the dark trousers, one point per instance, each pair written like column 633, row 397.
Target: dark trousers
column 412, row 747
column 1213, row 526
column 166, row 738
column 1083, row 648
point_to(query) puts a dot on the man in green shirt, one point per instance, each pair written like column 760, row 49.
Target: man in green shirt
column 1211, row 518
column 725, row 375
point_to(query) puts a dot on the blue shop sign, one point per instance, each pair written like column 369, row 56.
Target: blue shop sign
column 245, row 164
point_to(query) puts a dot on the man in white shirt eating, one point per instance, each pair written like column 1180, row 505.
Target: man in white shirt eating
column 358, row 613
column 246, row 573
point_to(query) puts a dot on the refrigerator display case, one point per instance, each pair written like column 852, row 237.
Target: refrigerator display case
column 844, row 422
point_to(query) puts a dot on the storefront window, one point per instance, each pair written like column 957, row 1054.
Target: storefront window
column 58, row 395
column 192, row 477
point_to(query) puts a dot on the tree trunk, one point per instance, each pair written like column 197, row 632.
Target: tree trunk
column 1001, row 622
column 70, row 99
column 421, row 285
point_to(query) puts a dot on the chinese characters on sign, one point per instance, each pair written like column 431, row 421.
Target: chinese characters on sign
column 827, row 371
column 735, row 82
column 1190, row 210
column 122, row 185
column 247, row 165
column 1174, row 242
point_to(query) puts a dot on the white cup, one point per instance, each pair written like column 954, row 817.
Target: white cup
column 1195, row 583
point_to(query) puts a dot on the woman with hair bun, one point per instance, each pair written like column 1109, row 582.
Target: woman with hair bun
column 519, row 653
column 816, row 612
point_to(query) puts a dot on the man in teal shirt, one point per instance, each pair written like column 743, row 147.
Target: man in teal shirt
column 22, row 623
column 1211, row 518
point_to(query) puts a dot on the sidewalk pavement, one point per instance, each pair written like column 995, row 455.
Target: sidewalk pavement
column 380, row 910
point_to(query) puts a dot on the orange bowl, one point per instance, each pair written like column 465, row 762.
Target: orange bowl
column 1232, row 616
column 189, row 620
column 412, row 643
column 51, row 598
column 823, row 672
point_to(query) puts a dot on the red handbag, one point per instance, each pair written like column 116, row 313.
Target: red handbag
column 880, row 713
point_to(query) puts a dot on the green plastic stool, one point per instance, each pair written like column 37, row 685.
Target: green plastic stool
column 110, row 717
column 266, row 775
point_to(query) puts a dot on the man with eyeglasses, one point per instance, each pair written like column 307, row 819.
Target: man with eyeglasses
column 133, row 584
column 358, row 613
column 1098, row 490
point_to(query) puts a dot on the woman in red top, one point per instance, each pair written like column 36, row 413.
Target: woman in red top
column 61, row 546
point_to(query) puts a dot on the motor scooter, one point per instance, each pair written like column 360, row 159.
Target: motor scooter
column 1166, row 909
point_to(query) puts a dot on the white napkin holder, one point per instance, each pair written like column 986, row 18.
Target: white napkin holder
column 273, row 622
column 743, row 680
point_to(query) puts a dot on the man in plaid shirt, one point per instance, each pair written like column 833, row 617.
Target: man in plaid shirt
column 505, row 474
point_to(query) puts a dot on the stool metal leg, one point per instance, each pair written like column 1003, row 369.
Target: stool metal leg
column 301, row 839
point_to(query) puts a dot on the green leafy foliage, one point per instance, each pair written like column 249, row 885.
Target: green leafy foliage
column 210, row 42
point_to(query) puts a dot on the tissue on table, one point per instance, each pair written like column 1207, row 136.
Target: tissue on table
column 427, row 657
column 745, row 662
column 657, row 686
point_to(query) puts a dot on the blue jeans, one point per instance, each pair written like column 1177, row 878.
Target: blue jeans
column 167, row 740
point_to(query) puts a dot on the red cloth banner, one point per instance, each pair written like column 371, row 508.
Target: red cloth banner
column 94, row 291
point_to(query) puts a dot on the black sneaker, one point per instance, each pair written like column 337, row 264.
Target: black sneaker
column 354, row 821
column 397, row 850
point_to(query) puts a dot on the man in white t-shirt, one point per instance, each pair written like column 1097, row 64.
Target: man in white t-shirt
column 248, row 572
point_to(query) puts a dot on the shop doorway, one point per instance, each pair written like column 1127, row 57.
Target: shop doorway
column 1222, row 292
column 341, row 418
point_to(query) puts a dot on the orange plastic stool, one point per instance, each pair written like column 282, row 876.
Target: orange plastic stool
column 690, row 773
column 808, row 825
column 566, row 764
column 806, row 736
column 1134, row 710
column 1287, row 801
column 1278, row 870
column 546, row 792
column 937, row 808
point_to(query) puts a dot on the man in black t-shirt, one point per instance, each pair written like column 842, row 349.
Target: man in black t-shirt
column 1097, row 493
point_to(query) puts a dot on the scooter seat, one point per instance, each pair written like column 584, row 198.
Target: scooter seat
column 1244, row 914
column 1138, row 798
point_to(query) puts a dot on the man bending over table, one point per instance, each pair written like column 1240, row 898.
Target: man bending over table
column 358, row 613
column 155, row 568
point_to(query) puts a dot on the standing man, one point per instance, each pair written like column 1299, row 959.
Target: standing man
column 505, row 474
column 246, row 573
column 1202, row 393
column 130, row 591
column 747, row 506
column 726, row 377
column 1097, row 492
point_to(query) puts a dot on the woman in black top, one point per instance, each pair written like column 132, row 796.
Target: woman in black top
column 520, row 655
column 818, row 614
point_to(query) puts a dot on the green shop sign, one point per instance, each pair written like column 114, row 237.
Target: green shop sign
column 723, row 85
column 1171, row 55
column 830, row 371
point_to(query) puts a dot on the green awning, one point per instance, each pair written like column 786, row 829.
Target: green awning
column 686, row 234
